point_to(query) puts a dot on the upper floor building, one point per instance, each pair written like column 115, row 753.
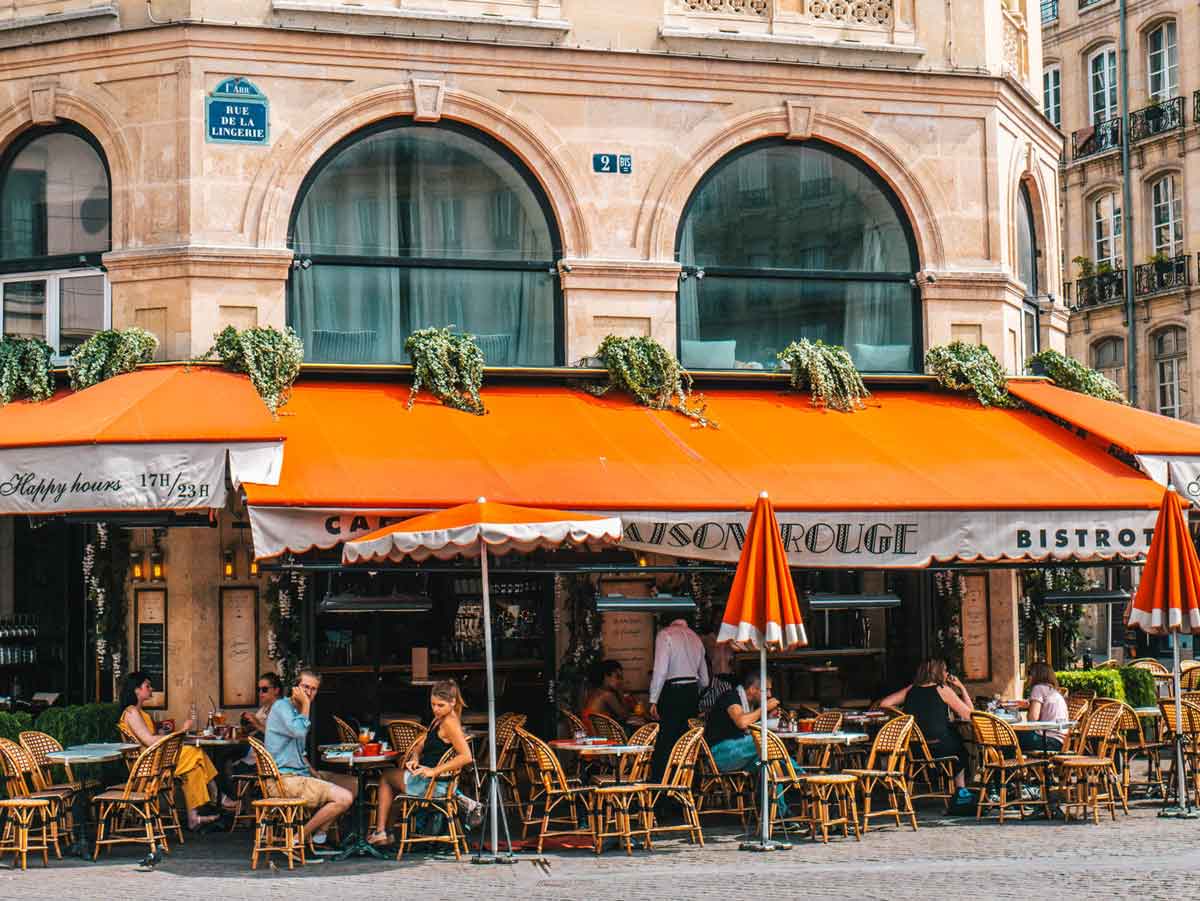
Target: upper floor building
column 725, row 175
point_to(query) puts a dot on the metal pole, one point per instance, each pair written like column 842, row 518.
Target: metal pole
column 1183, row 796
column 762, row 704
column 1127, row 216
column 493, row 798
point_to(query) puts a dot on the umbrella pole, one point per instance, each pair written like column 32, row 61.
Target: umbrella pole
column 762, row 706
column 1184, row 804
column 493, row 796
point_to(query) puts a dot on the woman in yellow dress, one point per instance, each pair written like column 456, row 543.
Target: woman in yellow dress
column 193, row 769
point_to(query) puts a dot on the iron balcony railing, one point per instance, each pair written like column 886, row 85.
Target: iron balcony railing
column 1099, row 138
column 1097, row 290
column 1049, row 11
column 1162, row 275
column 1157, row 119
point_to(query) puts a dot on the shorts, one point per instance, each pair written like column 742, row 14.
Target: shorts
column 314, row 792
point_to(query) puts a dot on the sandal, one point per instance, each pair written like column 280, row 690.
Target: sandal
column 379, row 839
column 201, row 823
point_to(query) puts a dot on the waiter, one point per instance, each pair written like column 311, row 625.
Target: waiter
column 680, row 674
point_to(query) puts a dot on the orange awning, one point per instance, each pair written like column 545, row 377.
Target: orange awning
column 354, row 455
column 158, row 438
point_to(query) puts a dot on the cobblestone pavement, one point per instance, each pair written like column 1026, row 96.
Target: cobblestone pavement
column 1139, row 855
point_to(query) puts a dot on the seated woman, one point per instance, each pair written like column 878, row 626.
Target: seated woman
column 423, row 763
column 607, row 679
column 1045, row 703
column 270, row 690
column 930, row 700
column 193, row 768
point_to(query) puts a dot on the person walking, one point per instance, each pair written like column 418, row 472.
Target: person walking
column 680, row 674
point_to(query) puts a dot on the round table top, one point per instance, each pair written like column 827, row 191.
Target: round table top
column 212, row 741
column 820, row 738
column 1043, row 725
column 598, row 749
column 1147, row 711
column 91, row 753
column 350, row 759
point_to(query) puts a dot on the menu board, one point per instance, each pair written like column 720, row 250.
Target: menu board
column 976, row 629
column 628, row 638
column 151, row 615
column 239, row 647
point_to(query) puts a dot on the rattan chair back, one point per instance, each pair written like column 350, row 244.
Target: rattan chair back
column 450, row 780
column 574, row 723
column 889, row 750
column 1192, row 696
column 1110, row 664
column 1189, row 722
column 1088, row 693
column 402, row 734
column 270, row 780
column 807, row 711
column 1152, row 665
column 604, row 726
column 681, row 764
column 995, row 737
column 829, row 721
column 1100, row 734
column 1190, row 679
column 146, row 772
column 891, row 710
column 15, row 784
column 1077, row 707
column 346, row 733
column 38, row 745
column 507, row 743
column 544, row 763
column 172, row 746
column 638, row 767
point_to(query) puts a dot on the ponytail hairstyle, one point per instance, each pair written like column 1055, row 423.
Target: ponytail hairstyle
column 447, row 690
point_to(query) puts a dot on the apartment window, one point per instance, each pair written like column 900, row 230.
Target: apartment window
column 1102, row 93
column 1108, row 358
column 1052, row 95
column 1162, row 62
column 1106, row 229
column 1170, row 364
column 1168, row 216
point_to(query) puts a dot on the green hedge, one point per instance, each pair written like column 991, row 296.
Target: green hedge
column 80, row 724
column 1106, row 683
column 1140, row 688
column 13, row 724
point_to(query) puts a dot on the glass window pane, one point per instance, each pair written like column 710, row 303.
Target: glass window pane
column 80, row 310
column 422, row 191
column 363, row 314
column 794, row 207
column 1026, row 244
column 728, row 323
column 25, row 309
column 54, row 199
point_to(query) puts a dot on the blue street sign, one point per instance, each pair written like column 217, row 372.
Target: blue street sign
column 612, row 162
column 237, row 113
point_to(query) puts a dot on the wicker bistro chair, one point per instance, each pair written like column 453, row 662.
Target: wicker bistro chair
column 721, row 794
column 558, row 797
column 137, row 801
column 277, row 818
column 604, row 726
column 508, row 752
column 29, row 825
column 1132, row 745
column 887, row 769
column 679, row 775
column 818, row 793
column 615, row 799
column 1189, row 680
column 346, row 732
column 1003, row 766
column 38, row 745
column 403, row 733
column 54, row 816
column 168, row 819
column 1191, row 745
column 635, row 767
column 407, row 807
column 1077, row 707
column 574, row 723
column 936, row 774
column 696, row 722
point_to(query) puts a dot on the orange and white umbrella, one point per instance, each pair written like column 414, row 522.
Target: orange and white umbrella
column 477, row 530
column 1168, row 597
column 763, row 612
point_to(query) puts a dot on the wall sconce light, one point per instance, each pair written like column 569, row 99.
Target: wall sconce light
column 227, row 567
column 253, row 565
column 137, row 567
column 158, row 569
column 642, row 561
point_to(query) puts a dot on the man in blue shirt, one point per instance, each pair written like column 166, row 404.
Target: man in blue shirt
column 287, row 739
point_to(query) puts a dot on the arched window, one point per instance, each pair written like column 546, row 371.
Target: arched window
column 1162, row 63
column 1102, row 84
column 1027, row 270
column 1168, row 216
column 405, row 226
column 1108, row 358
column 1170, row 365
column 783, row 241
column 1106, row 229
column 55, row 214
column 1052, row 95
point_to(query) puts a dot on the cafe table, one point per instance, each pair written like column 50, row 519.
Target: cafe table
column 601, row 749
column 825, row 738
column 1042, row 725
column 93, row 754
column 360, row 765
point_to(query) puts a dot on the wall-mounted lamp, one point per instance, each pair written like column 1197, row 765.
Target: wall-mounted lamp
column 158, row 568
column 228, row 570
column 137, row 567
column 252, row 564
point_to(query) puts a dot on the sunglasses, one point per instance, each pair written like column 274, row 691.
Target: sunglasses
column 263, row 689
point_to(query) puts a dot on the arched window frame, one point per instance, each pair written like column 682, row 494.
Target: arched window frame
column 1111, row 364
column 1052, row 94
column 1106, row 224
column 1170, row 369
column 1030, row 312
column 1101, row 73
column 550, row 265
column 1166, row 215
column 1162, row 61
column 808, row 274
column 50, row 280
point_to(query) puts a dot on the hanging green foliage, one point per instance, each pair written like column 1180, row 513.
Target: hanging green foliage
column 105, row 576
column 285, row 617
column 270, row 357
column 1074, row 376
column 108, row 353
column 827, row 371
column 948, row 601
column 450, row 366
column 969, row 367
column 1037, row 617
column 25, row 370
column 644, row 369
column 575, row 594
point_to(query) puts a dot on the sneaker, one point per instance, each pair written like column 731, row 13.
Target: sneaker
column 1031, row 793
column 318, row 838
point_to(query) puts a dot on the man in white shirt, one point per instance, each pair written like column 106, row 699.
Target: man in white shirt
column 680, row 674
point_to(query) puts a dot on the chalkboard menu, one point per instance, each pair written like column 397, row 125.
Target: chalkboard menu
column 151, row 616
column 976, row 628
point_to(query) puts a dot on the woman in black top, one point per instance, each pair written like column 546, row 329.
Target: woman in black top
column 423, row 762
column 932, row 697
